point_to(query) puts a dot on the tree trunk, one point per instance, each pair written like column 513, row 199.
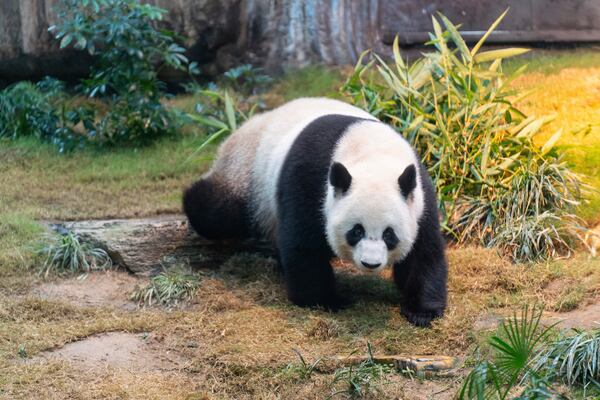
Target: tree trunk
column 296, row 32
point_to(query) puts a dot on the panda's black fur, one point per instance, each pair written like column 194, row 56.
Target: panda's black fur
column 300, row 236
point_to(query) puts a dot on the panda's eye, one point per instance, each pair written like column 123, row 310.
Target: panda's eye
column 354, row 235
column 390, row 238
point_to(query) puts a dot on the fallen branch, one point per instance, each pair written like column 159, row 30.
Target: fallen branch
column 420, row 365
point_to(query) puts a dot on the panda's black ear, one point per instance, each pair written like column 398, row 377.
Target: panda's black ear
column 339, row 177
column 408, row 180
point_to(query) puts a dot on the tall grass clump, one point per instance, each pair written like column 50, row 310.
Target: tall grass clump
column 572, row 359
column 455, row 106
column 69, row 253
column 172, row 285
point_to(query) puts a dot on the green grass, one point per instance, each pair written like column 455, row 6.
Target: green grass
column 585, row 159
column 169, row 287
column 43, row 184
column 69, row 253
column 313, row 81
column 553, row 61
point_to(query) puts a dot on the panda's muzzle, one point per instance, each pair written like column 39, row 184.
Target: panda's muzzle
column 370, row 266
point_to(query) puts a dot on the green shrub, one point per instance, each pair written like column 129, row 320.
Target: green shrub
column 246, row 79
column 513, row 350
column 573, row 359
column 530, row 359
column 26, row 109
column 495, row 185
column 128, row 49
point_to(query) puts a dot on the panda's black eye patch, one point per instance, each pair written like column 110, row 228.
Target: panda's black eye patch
column 354, row 235
column 390, row 238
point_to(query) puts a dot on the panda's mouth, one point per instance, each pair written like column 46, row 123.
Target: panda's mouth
column 370, row 269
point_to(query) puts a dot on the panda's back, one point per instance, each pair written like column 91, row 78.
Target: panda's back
column 249, row 162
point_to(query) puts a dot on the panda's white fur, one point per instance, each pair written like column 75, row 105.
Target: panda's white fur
column 281, row 127
column 250, row 162
column 373, row 199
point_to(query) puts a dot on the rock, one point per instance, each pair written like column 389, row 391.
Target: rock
column 141, row 245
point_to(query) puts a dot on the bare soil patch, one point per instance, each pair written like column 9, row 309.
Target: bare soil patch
column 584, row 318
column 121, row 350
column 108, row 289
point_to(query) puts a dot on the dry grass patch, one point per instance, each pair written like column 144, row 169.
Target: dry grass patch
column 237, row 338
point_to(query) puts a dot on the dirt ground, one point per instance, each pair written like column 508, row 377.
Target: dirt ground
column 236, row 339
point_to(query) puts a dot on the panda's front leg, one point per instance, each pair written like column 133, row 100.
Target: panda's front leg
column 421, row 278
column 309, row 277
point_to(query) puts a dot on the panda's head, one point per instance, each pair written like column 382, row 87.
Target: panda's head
column 372, row 213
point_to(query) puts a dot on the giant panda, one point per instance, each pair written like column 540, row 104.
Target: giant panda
column 321, row 178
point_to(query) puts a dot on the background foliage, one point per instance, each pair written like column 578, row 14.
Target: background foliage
column 495, row 184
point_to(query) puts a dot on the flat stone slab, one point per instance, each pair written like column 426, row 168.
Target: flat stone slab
column 141, row 245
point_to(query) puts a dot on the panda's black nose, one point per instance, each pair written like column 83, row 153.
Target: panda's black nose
column 370, row 266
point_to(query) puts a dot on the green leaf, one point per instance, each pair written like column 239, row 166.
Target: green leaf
column 212, row 138
column 457, row 38
column 500, row 54
column 230, row 112
column 397, row 57
column 208, row 121
column 66, row 41
column 439, row 35
column 552, row 141
column 487, row 33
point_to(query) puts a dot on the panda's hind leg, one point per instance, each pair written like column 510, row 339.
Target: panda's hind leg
column 215, row 212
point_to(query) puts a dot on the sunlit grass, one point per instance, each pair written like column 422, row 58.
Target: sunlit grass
column 41, row 183
column 572, row 95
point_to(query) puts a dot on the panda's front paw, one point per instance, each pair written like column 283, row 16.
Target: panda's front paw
column 421, row 318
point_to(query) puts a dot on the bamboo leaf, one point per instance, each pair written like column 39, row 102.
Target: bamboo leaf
column 230, row 112
column 530, row 130
column 487, row 33
column 209, row 121
column 397, row 57
column 552, row 141
column 439, row 35
column 500, row 54
column 456, row 38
